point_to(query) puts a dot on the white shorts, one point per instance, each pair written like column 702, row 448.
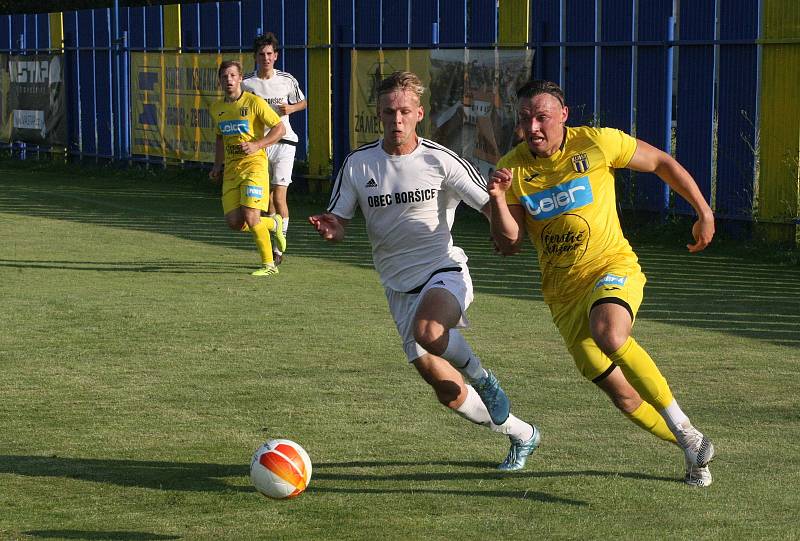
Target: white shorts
column 403, row 306
column 281, row 162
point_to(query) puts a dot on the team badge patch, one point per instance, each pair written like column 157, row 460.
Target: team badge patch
column 580, row 162
column 243, row 111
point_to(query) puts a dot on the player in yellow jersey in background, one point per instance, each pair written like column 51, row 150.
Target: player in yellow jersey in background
column 558, row 184
column 241, row 120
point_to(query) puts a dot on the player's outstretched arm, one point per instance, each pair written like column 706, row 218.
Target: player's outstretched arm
column 329, row 226
column 649, row 159
column 506, row 222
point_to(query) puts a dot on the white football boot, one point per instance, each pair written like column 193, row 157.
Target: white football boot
column 698, row 449
column 697, row 476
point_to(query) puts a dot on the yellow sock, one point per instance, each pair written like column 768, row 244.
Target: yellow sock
column 643, row 374
column 270, row 222
column 648, row 418
column 265, row 219
column 264, row 244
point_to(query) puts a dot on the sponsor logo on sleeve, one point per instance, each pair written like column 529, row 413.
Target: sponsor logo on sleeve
column 559, row 199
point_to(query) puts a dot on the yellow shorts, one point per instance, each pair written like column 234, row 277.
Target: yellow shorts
column 572, row 319
column 245, row 192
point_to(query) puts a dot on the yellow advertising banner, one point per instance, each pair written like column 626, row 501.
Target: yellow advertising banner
column 368, row 69
column 170, row 99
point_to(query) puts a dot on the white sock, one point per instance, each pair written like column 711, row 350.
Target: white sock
column 285, row 225
column 515, row 428
column 474, row 410
column 673, row 415
column 460, row 355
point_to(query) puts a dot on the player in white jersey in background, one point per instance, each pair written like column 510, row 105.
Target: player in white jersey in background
column 282, row 92
column 408, row 189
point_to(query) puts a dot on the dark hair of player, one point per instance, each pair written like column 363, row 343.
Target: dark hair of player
column 262, row 40
column 540, row 86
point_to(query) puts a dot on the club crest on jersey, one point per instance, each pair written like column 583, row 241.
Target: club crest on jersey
column 580, row 162
column 371, row 183
column 557, row 200
column 243, row 111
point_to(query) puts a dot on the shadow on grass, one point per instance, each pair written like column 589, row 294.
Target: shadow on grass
column 203, row 477
column 134, row 473
column 104, row 535
column 514, row 494
column 713, row 290
column 165, row 266
column 441, row 476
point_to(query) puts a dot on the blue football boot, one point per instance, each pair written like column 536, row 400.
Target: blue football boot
column 519, row 452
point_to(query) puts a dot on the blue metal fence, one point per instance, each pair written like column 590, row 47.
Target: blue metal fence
column 613, row 58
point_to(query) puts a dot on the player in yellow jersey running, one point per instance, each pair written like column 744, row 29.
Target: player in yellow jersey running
column 241, row 120
column 558, row 184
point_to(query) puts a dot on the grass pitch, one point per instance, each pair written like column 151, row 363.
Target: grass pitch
column 141, row 365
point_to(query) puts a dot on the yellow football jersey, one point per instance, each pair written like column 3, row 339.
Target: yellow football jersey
column 245, row 119
column 570, row 208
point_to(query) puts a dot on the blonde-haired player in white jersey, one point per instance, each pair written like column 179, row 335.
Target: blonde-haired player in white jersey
column 408, row 189
column 282, row 92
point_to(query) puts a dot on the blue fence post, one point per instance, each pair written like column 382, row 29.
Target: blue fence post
column 668, row 104
column 115, row 75
column 124, row 119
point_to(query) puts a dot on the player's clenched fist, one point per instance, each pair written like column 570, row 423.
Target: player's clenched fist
column 328, row 226
column 216, row 173
column 499, row 182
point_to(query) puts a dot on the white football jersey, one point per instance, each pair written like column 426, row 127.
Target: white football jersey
column 282, row 87
column 409, row 203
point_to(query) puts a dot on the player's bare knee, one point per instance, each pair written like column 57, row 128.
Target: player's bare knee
column 431, row 335
column 235, row 224
column 608, row 339
column 251, row 220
